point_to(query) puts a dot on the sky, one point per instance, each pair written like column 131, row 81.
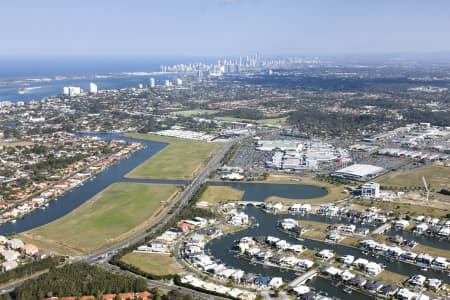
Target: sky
column 222, row 27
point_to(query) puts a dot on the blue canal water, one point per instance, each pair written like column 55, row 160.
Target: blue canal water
column 262, row 191
column 74, row 198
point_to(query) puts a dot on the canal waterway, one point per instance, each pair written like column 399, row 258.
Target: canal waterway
column 261, row 191
column 80, row 194
column 220, row 248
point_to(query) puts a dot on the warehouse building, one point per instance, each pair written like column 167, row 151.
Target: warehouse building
column 359, row 172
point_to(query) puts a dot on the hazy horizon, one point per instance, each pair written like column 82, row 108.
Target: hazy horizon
column 218, row 28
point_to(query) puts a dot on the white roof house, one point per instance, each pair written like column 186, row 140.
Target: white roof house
column 305, row 263
column 276, row 282
column 8, row 265
column 14, row 243
column 9, row 255
column 347, row 259
column 373, row 269
column 418, row 280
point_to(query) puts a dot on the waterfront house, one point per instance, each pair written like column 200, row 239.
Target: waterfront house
column 405, row 294
column 238, row 219
column 408, row 256
column 332, row 271
column 346, row 275
column 348, row 228
column 444, row 232
column 440, row 263
column 281, row 244
column 374, row 286
column 262, row 280
column 237, row 275
column 325, row 254
column 252, row 251
column 424, row 258
column 389, row 290
column 401, row 224
column 420, row 228
column 360, row 262
column 263, row 255
column 275, row 282
column 300, row 208
column 417, row 280
column 272, row 240
column 362, row 231
column 347, row 259
column 434, row 284
column 305, row 264
column 358, row 281
column 276, row 259
column 274, row 207
column 373, row 269
column 289, row 261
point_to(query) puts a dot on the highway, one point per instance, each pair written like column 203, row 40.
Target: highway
column 102, row 257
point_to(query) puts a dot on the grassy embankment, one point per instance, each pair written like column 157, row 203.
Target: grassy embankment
column 221, row 194
column 112, row 215
column 157, row 264
column 181, row 159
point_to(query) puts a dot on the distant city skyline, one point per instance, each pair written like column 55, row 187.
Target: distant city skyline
column 222, row 27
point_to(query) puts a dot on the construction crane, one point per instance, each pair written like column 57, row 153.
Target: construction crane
column 426, row 188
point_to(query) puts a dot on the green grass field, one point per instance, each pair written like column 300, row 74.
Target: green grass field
column 156, row 264
column 194, row 112
column 110, row 216
column 404, row 208
column 221, row 194
column 181, row 159
column 436, row 176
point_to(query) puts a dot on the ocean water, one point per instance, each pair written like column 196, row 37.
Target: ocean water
column 46, row 76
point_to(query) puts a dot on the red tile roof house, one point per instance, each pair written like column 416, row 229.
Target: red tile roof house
column 108, row 296
column 126, row 296
column 184, row 226
column 144, row 295
column 29, row 249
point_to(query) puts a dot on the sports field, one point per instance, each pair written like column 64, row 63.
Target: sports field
column 181, row 159
column 155, row 264
column 112, row 215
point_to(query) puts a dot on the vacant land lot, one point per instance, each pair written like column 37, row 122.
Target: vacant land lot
column 181, row 159
column 436, row 176
column 404, row 208
column 156, row 264
column 110, row 216
column 221, row 194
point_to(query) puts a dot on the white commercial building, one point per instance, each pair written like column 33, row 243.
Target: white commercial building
column 370, row 190
column 93, row 88
column 152, row 82
column 72, row 90
column 359, row 172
